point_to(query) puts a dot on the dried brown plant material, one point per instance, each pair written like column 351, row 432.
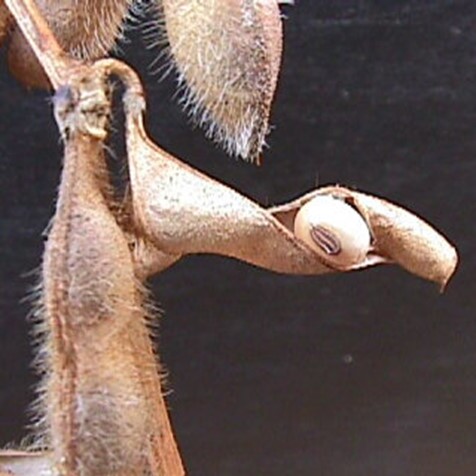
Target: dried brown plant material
column 85, row 29
column 104, row 407
column 22, row 463
column 102, row 401
column 58, row 66
column 5, row 21
column 149, row 260
column 95, row 404
column 228, row 55
column 183, row 211
column 398, row 236
column 408, row 240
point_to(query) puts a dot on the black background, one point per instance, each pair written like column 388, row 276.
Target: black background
column 372, row 373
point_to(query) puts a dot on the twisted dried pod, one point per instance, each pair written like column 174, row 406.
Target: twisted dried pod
column 103, row 403
column 228, row 55
column 398, row 236
column 182, row 211
column 406, row 239
column 86, row 29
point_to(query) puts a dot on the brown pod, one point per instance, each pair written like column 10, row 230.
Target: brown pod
column 398, row 236
column 95, row 407
column 23, row 64
column 5, row 21
column 86, row 29
column 228, row 55
column 102, row 401
column 408, row 240
column 94, row 403
column 182, row 211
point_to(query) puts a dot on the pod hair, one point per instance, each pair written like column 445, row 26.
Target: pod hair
column 227, row 56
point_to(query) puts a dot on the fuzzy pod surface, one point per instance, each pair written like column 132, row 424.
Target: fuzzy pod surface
column 94, row 400
column 227, row 54
column 85, row 29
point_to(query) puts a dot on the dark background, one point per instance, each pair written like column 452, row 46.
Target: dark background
column 367, row 374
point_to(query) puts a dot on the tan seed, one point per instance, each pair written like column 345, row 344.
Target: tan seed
column 334, row 230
